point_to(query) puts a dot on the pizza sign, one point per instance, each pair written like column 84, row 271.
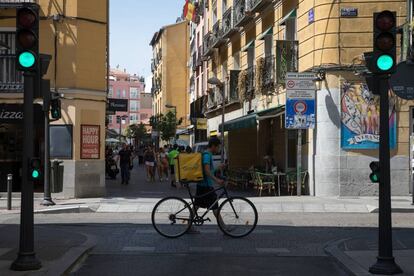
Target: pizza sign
column 90, row 142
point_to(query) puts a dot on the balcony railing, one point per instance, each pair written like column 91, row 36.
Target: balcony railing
column 228, row 23
column 242, row 14
column 257, row 5
column 250, row 83
column 233, row 95
column 266, row 75
column 208, row 49
column 287, row 55
column 194, row 62
column 11, row 81
column 217, row 35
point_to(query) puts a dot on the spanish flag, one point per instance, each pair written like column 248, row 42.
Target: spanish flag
column 189, row 10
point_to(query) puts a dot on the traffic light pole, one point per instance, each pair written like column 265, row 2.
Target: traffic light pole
column 26, row 258
column 385, row 261
column 47, row 196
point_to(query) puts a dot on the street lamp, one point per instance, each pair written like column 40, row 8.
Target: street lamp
column 220, row 85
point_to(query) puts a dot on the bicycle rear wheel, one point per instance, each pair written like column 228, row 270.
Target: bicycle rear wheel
column 172, row 217
column 237, row 217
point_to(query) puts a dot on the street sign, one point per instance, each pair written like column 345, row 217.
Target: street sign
column 300, row 101
column 402, row 82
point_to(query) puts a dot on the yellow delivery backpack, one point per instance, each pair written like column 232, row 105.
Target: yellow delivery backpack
column 190, row 167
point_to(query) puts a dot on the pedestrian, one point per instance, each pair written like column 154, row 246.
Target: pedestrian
column 149, row 159
column 172, row 155
column 164, row 163
column 125, row 159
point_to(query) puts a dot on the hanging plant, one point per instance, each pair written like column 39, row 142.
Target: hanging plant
column 241, row 85
column 260, row 71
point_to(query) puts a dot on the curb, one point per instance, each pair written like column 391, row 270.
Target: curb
column 72, row 258
column 66, row 210
column 344, row 260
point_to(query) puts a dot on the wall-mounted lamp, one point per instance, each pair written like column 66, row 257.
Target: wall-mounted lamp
column 320, row 76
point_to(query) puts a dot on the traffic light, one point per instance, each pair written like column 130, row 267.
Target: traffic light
column 55, row 106
column 34, row 169
column 385, row 46
column 375, row 174
column 27, row 38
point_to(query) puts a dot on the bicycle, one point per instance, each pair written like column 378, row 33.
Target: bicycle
column 172, row 217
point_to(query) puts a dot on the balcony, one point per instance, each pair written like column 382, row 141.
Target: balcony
column 242, row 14
column 217, row 35
column 257, row 5
column 199, row 54
column 208, row 49
column 287, row 56
column 245, row 84
column 233, row 95
column 194, row 62
column 11, row 81
column 211, row 100
column 266, row 75
column 227, row 25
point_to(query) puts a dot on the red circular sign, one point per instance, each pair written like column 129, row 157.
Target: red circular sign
column 291, row 84
column 300, row 107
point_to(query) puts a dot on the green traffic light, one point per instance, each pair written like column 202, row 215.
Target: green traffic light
column 385, row 62
column 35, row 174
column 26, row 59
column 374, row 178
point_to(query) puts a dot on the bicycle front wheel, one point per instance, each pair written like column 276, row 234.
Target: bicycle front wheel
column 237, row 217
column 172, row 217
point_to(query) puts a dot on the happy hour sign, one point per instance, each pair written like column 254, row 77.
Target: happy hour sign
column 90, row 142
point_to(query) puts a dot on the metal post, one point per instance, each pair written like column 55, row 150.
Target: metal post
column 120, row 128
column 385, row 261
column 299, row 164
column 9, row 191
column 26, row 258
column 223, row 113
column 47, row 197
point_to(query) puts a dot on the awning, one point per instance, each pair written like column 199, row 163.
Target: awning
column 248, row 121
column 247, row 46
column 271, row 113
column 291, row 14
column 269, row 31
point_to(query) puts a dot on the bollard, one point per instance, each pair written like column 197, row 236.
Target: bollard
column 9, row 191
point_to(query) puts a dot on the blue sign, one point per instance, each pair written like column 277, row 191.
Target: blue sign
column 311, row 16
column 300, row 113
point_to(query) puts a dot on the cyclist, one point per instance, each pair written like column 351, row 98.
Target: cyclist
column 207, row 185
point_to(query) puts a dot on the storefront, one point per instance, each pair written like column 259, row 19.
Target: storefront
column 11, row 144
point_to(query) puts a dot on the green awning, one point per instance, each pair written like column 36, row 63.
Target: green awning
column 269, row 31
column 291, row 14
column 270, row 113
column 247, row 46
column 248, row 121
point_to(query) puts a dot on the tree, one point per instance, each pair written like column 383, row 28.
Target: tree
column 166, row 125
column 138, row 132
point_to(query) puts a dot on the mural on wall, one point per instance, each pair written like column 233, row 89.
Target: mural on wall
column 360, row 118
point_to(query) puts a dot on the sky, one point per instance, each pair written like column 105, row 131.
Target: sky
column 132, row 25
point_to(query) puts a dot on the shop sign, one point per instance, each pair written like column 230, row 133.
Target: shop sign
column 402, row 82
column 90, row 141
column 311, row 16
column 349, row 12
column 300, row 101
column 202, row 123
column 13, row 114
column 117, row 105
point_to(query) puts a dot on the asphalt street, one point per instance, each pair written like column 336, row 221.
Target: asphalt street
column 283, row 244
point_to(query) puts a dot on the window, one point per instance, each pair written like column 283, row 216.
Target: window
column 110, row 92
column 118, row 93
column 250, row 56
column 123, row 93
column 224, row 6
column 134, row 106
column 134, row 118
column 133, row 93
column 236, row 61
column 290, row 29
column 268, row 42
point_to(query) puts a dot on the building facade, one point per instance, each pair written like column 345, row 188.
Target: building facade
column 123, row 85
column 250, row 45
column 170, row 71
column 75, row 34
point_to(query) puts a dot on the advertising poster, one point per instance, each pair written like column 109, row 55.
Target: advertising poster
column 90, row 142
column 360, row 118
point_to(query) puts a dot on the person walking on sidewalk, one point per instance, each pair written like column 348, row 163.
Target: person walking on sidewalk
column 125, row 160
column 172, row 155
column 149, row 159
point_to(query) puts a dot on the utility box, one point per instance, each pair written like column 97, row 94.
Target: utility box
column 56, row 179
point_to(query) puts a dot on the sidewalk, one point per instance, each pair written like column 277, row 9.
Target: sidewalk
column 58, row 250
column 263, row 204
column 358, row 254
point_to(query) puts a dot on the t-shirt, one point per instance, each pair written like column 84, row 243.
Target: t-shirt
column 208, row 160
column 124, row 156
column 172, row 155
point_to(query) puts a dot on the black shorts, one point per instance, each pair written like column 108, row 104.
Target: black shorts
column 207, row 200
column 172, row 170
